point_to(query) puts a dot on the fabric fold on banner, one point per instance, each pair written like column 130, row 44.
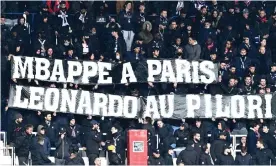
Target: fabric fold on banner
column 91, row 72
column 163, row 106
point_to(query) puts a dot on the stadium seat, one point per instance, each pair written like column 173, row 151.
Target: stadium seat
column 86, row 161
column 52, row 159
column 6, row 160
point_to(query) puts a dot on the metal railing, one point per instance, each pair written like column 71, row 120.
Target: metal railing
column 7, row 156
column 3, row 135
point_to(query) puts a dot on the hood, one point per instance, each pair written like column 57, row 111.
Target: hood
column 145, row 25
column 39, row 129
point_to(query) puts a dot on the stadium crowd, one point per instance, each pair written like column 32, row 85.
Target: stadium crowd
column 238, row 35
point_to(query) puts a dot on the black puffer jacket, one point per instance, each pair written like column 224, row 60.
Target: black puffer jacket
column 23, row 144
column 182, row 137
column 74, row 161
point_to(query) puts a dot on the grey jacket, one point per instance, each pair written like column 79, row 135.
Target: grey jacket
column 192, row 52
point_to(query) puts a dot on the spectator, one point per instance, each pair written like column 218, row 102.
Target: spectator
column 267, row 137
column 263, row 154
column 197, row 143
column 74, row 158
column 145, row 34
column 126, row 21
column 119, row 142
column 46, row 142
column 15, row 129
column 147, row 125
column 217, row 147
column 23, row 145
column 192, row 50
column 74, row 132
column 188, row 156
column 93, row 141
column 62, row 147
column 114, row 157
column 182, row 135
column 205, row 157
column 156, row 158
column 246, row 89
column 244, row 158
column 50, row 128
column 252, row 137
column 165, row 133
column 38, row 153
column 226, row 157
column 168, row 157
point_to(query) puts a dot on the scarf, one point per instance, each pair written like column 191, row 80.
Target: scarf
column 82, row 16
column 263, row 20
column 73, row 131
column 63, row 16
column 210, row 46
column 42, row 42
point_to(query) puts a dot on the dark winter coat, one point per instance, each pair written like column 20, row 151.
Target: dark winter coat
column 74, row 161
column 205, row 159
column 92, row 142
column 243, row 160
column 188, row 156
column 23, row 145
column 38, row 155
column 62, row 148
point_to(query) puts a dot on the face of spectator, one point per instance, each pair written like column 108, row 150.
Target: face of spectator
column 265, row 129
column 160, row 124
column 259, row 145
column 219, row 126
column 233, row 70
column 48, row 117
column 263, row 42
column 92, row 57
column 231, row 10
column 137, row 50
column 128, row 6
column 232, row 82
column 248, row 80
column 222, row 66
column 173, row 25
column 70, row 52
column 245, row 15
column 170, row 152
column 42, row 132
column 118, row 56
column 22, row 21
column 45, row 20
column 3, row 20
column 263, row 82
column 204, row 11
column 148, row 27
column 273, row 68
column 197, row 137
column 97, row 162
column 157, row 155
column 207, row 25
column 243, row 52
column 156, row 53
column 19, row 120
column 261, row 91
column 228, row 44
column 262, row 50
column 215, row 14
column 50, row 51
column 114, row 34
column 256, row 128
column 178, row 41
column 72, row 122
column 243, row 140
column 262, row 14
column 198, row 124
column 229, row 28
column 164, row 14
column 191, row 41
column 213, row 56
column 267, row 90
column 29, row 130
column 252, row 69
column 189, row 27
column 93, row 30
column 142, row 8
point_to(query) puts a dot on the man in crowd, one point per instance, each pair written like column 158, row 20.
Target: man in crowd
column 23, row 145
column 62, row 147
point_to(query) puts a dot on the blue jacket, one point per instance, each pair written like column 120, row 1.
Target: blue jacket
column 251, row 141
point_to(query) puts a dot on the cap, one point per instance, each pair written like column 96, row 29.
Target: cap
column 94, row 122
column 184, row 125
column 71, row 117
column 252, row 65
column 156, row 151
column 62, row 130
column 273, row 64
column 18, row 115
column 111, row 147
column 245, row 11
